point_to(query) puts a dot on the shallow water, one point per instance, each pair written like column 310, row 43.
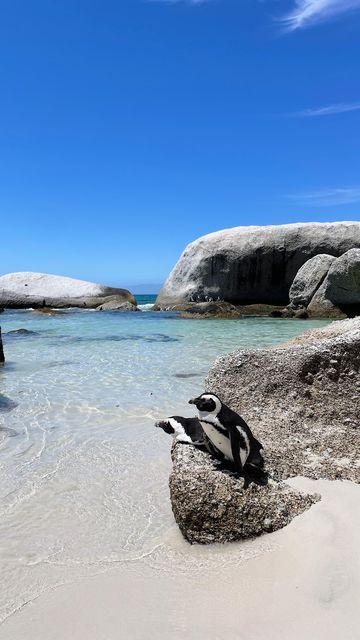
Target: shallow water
column 83, row 472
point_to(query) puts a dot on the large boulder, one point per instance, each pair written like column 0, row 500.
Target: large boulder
column 343, row 279
column 321, row 307
column 302, row 400
column 339, row 294
column 210, row 505
column 28, row 289
column 246, row 265
column 308, row 279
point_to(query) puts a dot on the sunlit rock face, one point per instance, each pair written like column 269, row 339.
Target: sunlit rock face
column 327, row 286
column 308, row 279
column 28, row 289
column 301, row 399
column 247, row 265
column 212, row 506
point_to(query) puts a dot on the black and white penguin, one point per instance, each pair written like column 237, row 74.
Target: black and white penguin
column 230, row 436
column 185, row 430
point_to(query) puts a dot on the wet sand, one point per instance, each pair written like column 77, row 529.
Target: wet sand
column 304, row 585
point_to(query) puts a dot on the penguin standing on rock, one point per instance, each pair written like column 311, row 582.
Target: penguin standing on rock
column 231, row 437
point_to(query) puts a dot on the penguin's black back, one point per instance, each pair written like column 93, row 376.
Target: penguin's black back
column 230, row 419
column 192, row 427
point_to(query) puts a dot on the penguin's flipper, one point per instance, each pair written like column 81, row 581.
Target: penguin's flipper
column 235, row 449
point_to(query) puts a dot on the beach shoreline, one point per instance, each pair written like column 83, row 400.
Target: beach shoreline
column 304, row 584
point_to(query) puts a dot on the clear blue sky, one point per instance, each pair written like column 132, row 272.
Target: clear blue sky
column 129, row 128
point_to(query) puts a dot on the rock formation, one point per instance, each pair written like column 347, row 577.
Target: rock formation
column 27, row 289
column 308, row 279
column 343, row 279
column 247, row 265
column 302, row 401
column 328, row 286
column 116, row 305
column 210, row 505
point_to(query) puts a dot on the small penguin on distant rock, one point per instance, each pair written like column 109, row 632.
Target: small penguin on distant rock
column 231, row 437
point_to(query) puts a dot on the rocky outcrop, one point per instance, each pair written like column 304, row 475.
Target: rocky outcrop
column 210, row 310
column 27, row 289
column 328, row 287
column 342, row 284
column 301, row 399
column 117, row 305
column 247, row 265
column 308, row 279
column 321, row 307
column 221, row 309
column 210, row 505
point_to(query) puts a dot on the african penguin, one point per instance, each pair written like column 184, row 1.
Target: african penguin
column 230, row 436
column 185, row 430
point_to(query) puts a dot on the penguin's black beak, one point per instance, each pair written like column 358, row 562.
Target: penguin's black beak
column 194, row 401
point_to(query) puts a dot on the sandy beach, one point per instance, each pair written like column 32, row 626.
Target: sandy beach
column 304, row 583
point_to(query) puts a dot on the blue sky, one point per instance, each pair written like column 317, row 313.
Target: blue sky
column 129, row 128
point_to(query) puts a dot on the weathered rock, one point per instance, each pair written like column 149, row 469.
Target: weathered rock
column 210, row 505
column 27, row 289
column 117, row 304
column 21, row 333
column 216, row 309
column 339, row 294
column 47, row 311
column 221, row 309
column 321, row 307
column 302, row 399
column 248, row 265
column 2, row 357
column 301, row 314
column 342, row 285
column 308, row 279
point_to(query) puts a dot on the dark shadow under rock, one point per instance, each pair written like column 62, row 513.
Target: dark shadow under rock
column 210, row 505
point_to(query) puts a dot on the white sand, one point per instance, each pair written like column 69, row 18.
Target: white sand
column 305, row 587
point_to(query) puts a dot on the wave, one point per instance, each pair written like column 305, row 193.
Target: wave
column 146, row 307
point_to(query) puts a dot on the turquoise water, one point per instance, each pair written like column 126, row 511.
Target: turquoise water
column 83, row 472
column 145, row 300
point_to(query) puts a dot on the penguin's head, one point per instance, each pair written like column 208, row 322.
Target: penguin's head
column 207, row 403
column 165, row 426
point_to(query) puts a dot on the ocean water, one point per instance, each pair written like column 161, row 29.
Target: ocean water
column 83, row 471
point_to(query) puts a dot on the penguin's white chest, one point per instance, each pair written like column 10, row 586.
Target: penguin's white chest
column 220, row 441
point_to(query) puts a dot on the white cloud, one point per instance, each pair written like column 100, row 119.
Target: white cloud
column 332, row 109
column 309, row 12
column 328, row 197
